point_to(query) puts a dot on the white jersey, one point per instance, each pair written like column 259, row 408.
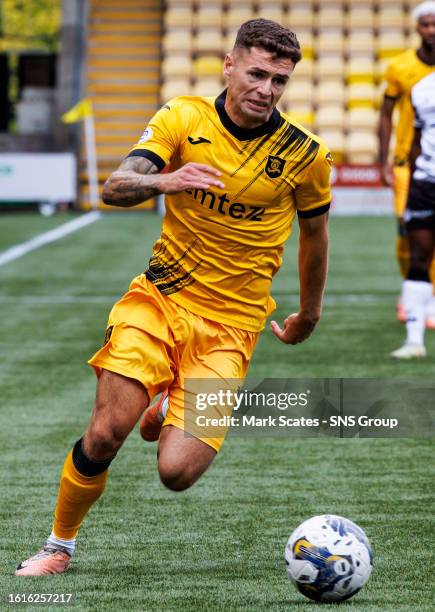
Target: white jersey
column 423, row 101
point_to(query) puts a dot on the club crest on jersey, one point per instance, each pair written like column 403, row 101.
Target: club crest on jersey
column 274, row 166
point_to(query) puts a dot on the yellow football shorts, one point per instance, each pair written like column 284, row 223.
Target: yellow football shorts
column 154, row 340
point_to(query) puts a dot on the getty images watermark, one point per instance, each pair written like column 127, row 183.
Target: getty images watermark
column 310, row 408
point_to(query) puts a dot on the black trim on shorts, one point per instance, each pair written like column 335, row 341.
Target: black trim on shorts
column 420, row 207
column 315, row 212
column 391, row 97
column 153, row 157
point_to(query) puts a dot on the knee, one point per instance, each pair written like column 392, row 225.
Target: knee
column 102, row 442
column 176, row 477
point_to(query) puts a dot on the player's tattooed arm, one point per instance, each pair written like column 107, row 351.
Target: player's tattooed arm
column 137, row 179
column 134, row 182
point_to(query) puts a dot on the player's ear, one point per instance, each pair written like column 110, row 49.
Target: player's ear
column 228, row 64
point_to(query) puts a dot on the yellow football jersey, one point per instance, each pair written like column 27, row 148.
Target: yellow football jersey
column 220, row 248
column 403, row 72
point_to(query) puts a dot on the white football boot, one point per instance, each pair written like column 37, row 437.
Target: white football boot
column 409, row 351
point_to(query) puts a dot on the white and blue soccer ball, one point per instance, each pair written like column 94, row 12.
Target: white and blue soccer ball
column 328, row 558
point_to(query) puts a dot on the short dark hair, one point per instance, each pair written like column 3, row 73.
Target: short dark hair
column 270, row 36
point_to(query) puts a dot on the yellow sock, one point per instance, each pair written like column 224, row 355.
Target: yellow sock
column 403, row 254
column 76, row 495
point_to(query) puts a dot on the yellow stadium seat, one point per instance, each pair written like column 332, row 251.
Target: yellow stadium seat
column 271, row 10
column 181, row 16
column 390, row 43
column 299, row 16
column 208, row 41
column 174, row 4
column 360, row 17
column 328, row 17
column 412, row 40
column 208, row 66
column 177, row 40
column 228, row 41
column 173, row 88
column 330, row 116
column 298, row 92
column 381, row 66
column 390, row 18
column 329, row 41
column 361, row 147
column 302, row 116
column 334, row 140
column 360, row 69
column 361, row 94
column 330, row 92
column 360, row 42
column 236, row 15
column 177, row 66
column 208, row 17
column 385, row 2
column 330, row 3
column 408, row 20
column 329, row 66
column 215, row 3
column 361, row 118
column 304, row 70
column 207, row 87
column 306, row 41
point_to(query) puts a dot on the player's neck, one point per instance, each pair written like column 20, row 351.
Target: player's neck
column 426, row 53
column 246, row 123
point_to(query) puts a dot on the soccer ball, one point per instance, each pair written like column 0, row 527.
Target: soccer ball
column 328, row 558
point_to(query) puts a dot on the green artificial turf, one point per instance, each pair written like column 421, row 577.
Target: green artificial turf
column 218, row 546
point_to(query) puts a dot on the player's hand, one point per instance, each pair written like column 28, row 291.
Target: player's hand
column 387, row 177
column 190, row 176
column 297, row 328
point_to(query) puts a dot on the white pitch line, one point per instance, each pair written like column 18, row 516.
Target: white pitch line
column 19, row 250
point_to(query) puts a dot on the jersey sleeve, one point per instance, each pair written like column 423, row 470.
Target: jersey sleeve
column 162, row 136
column 393, row 88
column 313, row 193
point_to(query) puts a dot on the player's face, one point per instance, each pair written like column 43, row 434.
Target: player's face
column 426, row 29
column 256, row 81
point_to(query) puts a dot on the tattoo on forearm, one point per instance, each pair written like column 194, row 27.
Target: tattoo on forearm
column 125, row 187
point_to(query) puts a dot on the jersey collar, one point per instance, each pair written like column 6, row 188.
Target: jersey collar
column 275, row 120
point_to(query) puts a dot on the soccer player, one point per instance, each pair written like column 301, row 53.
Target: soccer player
column 420, row 219
column 402, row 73
column 237, row 172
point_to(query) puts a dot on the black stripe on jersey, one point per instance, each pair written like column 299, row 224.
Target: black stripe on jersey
column 308, row 158
column 296, row 137
column 169, row 277
column 274, row 122
column 314, row 212
column 274, row 145
column 153, row 157
column 251, row 182
column 172, row 286
column 253, row 152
